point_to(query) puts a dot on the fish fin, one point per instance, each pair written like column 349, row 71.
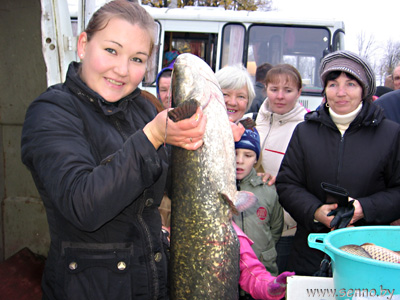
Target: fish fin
column 368, row 244
column 184, row 110
column 245, row 200
column 248, row 123
column 230, row 203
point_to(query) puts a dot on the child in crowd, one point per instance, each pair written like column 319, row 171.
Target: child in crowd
column 263, row 222
column 254, row 278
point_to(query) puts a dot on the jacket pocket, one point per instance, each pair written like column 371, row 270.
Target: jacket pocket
column 97, row 271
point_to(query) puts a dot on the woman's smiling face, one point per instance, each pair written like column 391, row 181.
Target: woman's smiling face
column 236, row 102
column 114, row 60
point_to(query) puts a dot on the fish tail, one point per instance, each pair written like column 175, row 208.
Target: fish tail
column 243, row 200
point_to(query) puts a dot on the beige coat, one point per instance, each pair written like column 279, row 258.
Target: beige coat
column 275, row 132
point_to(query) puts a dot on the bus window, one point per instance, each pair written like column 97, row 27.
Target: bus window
column 232, row 44
column 307, row 67
column 302, row 47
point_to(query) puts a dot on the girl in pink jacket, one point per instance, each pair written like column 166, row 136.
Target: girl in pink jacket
column 254, row 278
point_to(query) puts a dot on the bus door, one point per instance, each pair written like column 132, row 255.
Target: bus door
column 202, row 44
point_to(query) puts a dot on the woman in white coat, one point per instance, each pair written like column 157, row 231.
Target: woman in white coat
column 277, row 118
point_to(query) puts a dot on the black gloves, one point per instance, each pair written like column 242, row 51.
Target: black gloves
column 335, row 194
column 343, row 215
column 345, row 210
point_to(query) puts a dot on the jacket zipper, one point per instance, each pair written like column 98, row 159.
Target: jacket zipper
column 153, row 266
column 152, row 262
column 269, row 131
column 340, row 162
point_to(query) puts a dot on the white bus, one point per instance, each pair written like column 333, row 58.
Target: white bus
column 222, row 37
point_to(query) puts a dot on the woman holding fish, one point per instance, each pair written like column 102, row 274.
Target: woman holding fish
column 95, row 147
column 348, row 147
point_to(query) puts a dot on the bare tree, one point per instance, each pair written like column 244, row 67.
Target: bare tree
column 383, row 58
column 389, row 59
column 366, row 45
column 251, row 5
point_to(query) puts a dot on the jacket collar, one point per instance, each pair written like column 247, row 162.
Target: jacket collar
column 252, row 178
column 370, row 115
column 295, row 115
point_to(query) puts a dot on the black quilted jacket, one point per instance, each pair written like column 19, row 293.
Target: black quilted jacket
column 101, row 181
column 365, row 161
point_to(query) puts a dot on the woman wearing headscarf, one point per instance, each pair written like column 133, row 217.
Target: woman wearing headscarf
column 347, row 145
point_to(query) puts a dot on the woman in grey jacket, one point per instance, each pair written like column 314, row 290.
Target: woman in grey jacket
column 347, row 143
column 95, row 149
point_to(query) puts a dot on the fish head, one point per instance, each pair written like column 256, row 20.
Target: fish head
column 191, row 78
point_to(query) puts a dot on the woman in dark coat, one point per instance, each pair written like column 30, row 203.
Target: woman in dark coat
column 95, row 148
column 347, row 143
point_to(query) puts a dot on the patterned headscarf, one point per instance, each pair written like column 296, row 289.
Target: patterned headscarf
column 353, row 64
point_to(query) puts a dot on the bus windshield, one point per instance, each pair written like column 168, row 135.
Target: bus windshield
column 302, row 47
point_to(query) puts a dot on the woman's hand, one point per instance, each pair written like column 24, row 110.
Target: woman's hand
column 267, row 178
column 187, row 134
column 395, row 223
column 321, row 214
column 237, row 130
column 358, row 211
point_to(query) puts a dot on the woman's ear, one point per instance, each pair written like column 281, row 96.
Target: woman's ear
column 81, row 46
column 299, row 94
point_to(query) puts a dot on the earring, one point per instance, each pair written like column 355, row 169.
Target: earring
column 81, row 55
column 326, row 104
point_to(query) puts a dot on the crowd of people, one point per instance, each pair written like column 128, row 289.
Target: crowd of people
column 98, row 151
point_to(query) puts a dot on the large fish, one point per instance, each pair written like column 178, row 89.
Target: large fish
column 373, row 251
column 204, row 262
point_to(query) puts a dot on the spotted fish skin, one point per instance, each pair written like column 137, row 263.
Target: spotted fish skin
column 373, row 251
column 204, row 253
column 381, row 253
